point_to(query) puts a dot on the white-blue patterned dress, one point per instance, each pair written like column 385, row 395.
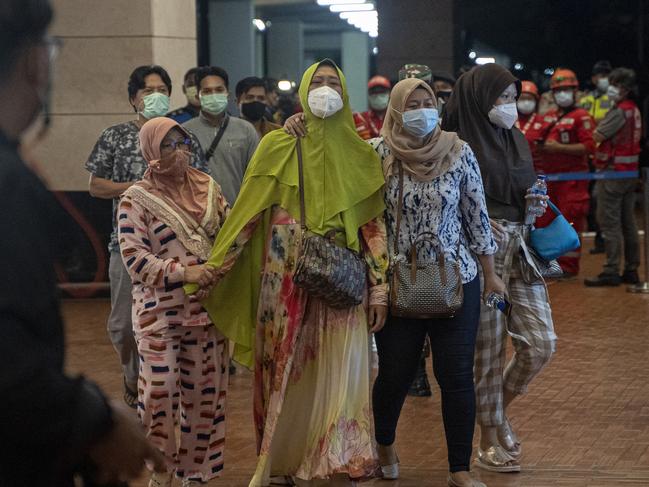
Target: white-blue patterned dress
column 452, row 207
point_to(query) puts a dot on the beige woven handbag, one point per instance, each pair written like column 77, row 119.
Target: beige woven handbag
column 423, row 290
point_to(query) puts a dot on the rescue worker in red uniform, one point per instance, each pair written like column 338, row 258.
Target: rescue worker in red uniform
column 565, row 149
column 533, row 125
column 370, row 123
column 618, row 136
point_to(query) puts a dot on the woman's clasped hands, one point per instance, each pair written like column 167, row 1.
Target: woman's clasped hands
column 205, row 276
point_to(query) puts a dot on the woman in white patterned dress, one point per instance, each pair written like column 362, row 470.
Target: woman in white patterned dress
column 443, row 195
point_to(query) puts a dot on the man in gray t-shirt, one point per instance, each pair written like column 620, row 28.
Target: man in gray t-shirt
column 239, row 141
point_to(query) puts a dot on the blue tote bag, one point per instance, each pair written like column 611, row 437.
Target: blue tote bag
column 555, row 240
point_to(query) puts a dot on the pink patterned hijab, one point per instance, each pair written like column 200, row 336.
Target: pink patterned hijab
column 171, row 178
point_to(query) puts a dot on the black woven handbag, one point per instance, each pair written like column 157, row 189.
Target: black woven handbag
column 335, row 274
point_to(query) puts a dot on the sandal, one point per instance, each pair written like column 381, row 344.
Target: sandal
column 388, row 472
column 130, row 396
column 281, row 480
column 509, row 440
column 496, row 459
column 474, row 483
column 161, row 479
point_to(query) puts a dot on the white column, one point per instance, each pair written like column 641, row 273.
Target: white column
column 103, row 43
column 356, row 66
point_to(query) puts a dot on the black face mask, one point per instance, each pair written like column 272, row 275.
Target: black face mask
column 442, row 99
column 253, row 111
column 443, row 95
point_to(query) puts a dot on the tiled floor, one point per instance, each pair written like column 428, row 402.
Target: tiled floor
column 585, row 421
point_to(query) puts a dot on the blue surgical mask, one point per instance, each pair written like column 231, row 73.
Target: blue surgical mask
column 155, row 105
column 420, row 122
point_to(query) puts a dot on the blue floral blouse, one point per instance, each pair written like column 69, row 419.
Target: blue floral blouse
column 452, row 207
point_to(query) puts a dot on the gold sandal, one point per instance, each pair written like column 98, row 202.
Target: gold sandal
column 496, row 459
column 507, row 437
column 474, row 483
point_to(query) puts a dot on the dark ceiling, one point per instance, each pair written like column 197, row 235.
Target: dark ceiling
column 315, row 17
column 550, row 33
column 537, row 33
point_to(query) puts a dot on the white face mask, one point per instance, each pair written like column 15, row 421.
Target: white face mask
column 526, row 106
column 602, row 85
column 504, row 116
column 324, row 102
column 613, row 93
column 564, row 98
column 379, row 102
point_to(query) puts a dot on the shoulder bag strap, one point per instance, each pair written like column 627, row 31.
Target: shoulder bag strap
column 399, row 210
column 217, row 138
column 553, row 124
column 300, row 169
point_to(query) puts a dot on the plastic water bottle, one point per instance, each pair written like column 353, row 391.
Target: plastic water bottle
column 535, row 209
column 497, row 301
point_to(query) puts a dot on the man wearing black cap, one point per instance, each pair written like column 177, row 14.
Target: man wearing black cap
column 597, row 102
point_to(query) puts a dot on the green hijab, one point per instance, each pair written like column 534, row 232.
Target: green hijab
column 343, row 190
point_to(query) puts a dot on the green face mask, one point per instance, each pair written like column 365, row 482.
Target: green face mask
column 380, row 101
column 214, row 104
column 155, row 105
column 191, row 93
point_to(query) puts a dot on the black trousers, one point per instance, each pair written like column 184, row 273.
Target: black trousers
column 452, row 342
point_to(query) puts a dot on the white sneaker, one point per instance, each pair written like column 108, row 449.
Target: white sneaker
column 161, row 479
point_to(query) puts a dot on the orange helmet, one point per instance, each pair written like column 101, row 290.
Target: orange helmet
column 379, row 81
column 529, row 87
column 564, row 78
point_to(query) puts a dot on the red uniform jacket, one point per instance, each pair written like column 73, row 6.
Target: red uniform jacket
column 368, row 124
column 622, row 151
column 575, row 127
column 535, row 128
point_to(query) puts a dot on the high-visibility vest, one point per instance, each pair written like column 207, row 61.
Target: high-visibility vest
column 622, row 151
column 598, row 106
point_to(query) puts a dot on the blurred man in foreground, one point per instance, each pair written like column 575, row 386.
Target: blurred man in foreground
column 55, row 430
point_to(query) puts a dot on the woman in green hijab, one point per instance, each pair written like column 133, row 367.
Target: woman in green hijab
column 311, row 400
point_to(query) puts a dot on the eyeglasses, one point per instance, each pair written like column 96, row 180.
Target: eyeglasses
column 54, row 45
column 174, row 144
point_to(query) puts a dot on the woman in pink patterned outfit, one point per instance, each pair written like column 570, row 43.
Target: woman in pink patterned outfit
column 167, row 223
